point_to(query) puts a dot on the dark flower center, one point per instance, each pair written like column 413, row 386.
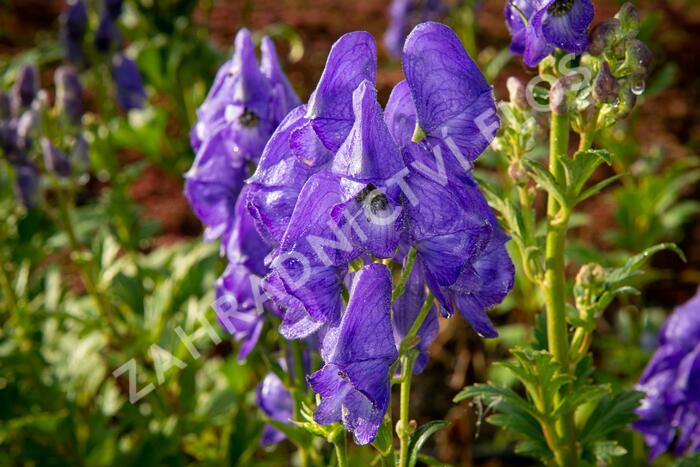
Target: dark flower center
column 248, row 118
column 379, row 201
column 560, row 7
column 342, row 374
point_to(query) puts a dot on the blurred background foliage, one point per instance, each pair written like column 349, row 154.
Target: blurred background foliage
column 135, row 242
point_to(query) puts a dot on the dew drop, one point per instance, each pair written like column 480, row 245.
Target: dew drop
column 638, row 86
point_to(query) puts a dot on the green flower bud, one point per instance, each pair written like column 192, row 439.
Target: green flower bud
column 516, row 92
column 604, row 35
column 605, row 87
column 638, row 59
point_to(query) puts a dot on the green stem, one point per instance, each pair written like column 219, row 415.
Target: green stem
column 402, row 428
column 7, row 289
column 555, row 282
column 341, row 450
column 405, row 273
column 421, row 316
column 299, row 391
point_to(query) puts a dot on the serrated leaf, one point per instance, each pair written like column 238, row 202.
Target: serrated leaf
column 297, row 434
column 611, row 414
column 619, row 275
column 420, row 436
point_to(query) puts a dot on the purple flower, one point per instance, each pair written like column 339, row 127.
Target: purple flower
column 403, row 15
column 276, row 402
column 73, row 27
column 25, row 88
column 405, row 312
column 354, row 383
column 27, row 183
column 55, row 160
column 128, row 83
column 454, row 104
column 107, row 34
column 250, row 99
column 670, row 413
column 306, row 141
column 307, row 277
column 69, row 93
column 540, row 26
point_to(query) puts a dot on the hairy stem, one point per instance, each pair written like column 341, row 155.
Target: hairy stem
column 402, row 428
column 555, row 282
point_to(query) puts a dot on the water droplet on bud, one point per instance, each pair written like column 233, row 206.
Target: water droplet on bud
column 637, row 86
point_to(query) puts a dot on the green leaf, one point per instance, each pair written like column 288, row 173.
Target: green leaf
column 631, row 267
column 604, row 451
column 595, row 189
column 611, row 414
column 580, row 168
column 546, row 181
column 384, row 440
column 494, row 395
column 420, row 436
column 295, row 433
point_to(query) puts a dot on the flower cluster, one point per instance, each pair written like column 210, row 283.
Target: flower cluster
column 21, row 133
column 670, row 413
column 107, row 41
column 539, row 27
column 244, row 106
column 343, row 192
column 342, row 183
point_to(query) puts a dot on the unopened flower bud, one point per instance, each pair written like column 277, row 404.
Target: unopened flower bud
column 69, row 93
column 638, row 59
column 591, row 276
column 628, row 99
column 629, row 20
column 517, row 172
column 54, row 159
column 74, row 21
column 25, row 87
column 603, row 36
column 516, row 92
column 26, row 183
column 557, row 97
column 605, row 87
column 129, row 85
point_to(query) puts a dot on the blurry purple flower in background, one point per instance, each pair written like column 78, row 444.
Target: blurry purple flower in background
column 25, row 88
column 113, row 8
column 670, row 413
column 69, row 93
column 55, row 160
column 403, row 16
column 540, row 26
column 74, row 21
column 130, row 92
column 107, row 34
column 276, row 402
column 354, row 383
column 27, row 183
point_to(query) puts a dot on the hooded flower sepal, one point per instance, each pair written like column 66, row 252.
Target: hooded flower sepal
column 354, row 383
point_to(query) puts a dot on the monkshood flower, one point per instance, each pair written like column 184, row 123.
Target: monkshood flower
column 245, row 104
column 69, row 93
column 250, row 98
column 354, row 383
column 113, row 8
column 540, row 26
column 25, row 88
column 130, row 93
column 276, row 402
column 306, row 141
column 74, row 21
column 26, row 183
column 406, row 309
column 107, row 34
column 55, row 160
column 239, row 305
column 403, row 16
column 670, row 413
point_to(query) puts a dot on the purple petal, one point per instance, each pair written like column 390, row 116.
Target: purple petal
column 400, row 114
column 569, row 31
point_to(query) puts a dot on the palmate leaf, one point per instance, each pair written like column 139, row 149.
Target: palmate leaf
column 493, row 395
column 546, row 181
column 580, row 168
column 611, row 414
